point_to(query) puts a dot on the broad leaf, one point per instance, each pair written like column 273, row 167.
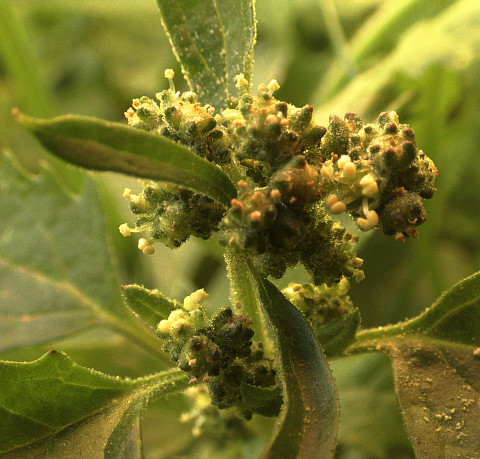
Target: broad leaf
column 437, row 372
column 53, row 407
column 213, row 40
column 57, row 276
column 150, row 305
column 308, row 423
column 106, row 146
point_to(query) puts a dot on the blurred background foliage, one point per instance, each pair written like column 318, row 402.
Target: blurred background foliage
column 418, row 57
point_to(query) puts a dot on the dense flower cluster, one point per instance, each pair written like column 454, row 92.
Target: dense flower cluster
column 219, row 351
column 290, row 171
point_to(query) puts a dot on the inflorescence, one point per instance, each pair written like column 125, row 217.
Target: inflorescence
column 296, row 174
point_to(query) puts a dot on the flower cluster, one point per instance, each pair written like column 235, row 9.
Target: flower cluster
column 290, row 171
column 218, row 351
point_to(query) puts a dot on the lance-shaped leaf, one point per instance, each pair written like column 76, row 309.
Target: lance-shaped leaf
column 57, row 275
column 150, row 305
column 54, row 408
column 437, row 371
column 213, row 41
column 308, row 423
column 106, row 146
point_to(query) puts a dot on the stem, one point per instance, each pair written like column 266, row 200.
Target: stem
column 243, row 289
column 164, row 383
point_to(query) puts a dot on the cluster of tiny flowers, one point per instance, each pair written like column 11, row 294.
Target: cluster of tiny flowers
column 293, row 170
column 380, row 175
column 219, row 351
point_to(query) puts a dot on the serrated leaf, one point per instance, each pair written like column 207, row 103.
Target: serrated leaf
column 308, row 423
column 436, row 371
column 106, row 146
column 150, row 305
column 213, row 41
column 57, row 276
column 55, row 408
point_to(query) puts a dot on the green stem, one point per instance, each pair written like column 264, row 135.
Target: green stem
column 164, row 383
column 243, row 290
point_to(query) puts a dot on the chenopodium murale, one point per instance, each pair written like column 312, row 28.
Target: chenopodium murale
column 292, row 175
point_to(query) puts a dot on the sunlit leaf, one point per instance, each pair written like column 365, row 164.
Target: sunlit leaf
column 213, row 40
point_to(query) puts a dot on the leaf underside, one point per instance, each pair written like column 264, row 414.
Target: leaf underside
column 308, row 423
column 437, row 372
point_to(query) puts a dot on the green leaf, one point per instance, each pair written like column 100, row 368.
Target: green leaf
column 337, row 336
column 213, row 41
column 150, row 305
column 57, row 275
column 266, row 401
column 436, row 371
column 308, row 422
column 371, row 421
column 106, row 146
column 53, row 407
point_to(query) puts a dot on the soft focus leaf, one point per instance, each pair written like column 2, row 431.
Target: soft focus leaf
column 437, row 372
column 213, row 40
column 57, row 276
column 55, row 408
column 106, row 146
column 308, row 423
column 150, row 305
column 371, row 420
column 453, row 42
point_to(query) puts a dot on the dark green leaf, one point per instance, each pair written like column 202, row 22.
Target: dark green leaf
column 337, row 336
column 150, row 305
column 213, row 40
column 57, row 276
column 53, row 407
column 309, row 419
column 105, row 146
column 266, row 401
column 436, row 371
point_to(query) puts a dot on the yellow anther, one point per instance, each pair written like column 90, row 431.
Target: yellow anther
column 370, row 186
column 349, row 170
column 124, row 230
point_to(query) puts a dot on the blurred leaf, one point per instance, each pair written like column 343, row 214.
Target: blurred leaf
column 308, row 423
column 53, row 407
column 57, row 274
column 150, row 305
column 213, row 40
column 430, row 353
column 106, row 146
column 370, row 419
column 453, row 41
